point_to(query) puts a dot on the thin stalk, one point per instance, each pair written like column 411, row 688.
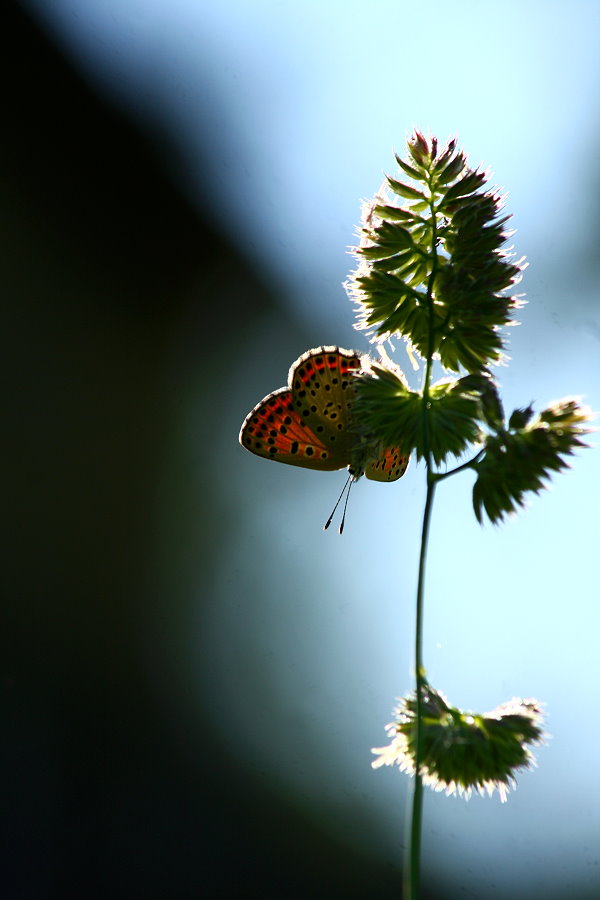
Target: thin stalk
column 412, row 867
column 439, row 476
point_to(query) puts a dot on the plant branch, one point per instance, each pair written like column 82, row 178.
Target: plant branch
column 440, row 476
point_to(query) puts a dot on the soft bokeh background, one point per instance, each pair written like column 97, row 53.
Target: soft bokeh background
column 194, row 672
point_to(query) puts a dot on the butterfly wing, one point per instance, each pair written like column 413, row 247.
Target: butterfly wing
column 388, row 467
column 308, row 423
column 275, row 429
column 322, row 386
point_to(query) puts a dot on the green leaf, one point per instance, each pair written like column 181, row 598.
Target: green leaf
column 394, row 213
column 454, row 412
column 392, row 235
column 447, row 154
column 447, row 172
column 482, row 384
column 409, row 170
column 420, row 150
column 383, row 251
column 471, row 182
column 402, row 264
column 520, row 417
column 386, row 408
column 405, row 190
column 446, row 425
column 521, row 459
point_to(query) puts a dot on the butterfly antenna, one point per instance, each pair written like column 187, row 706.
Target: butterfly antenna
column 328, row 522
column 346, row 505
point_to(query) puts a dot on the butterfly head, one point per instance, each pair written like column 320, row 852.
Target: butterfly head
column 378, row 463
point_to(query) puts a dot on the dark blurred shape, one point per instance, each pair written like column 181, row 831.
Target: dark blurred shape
column 103, row 262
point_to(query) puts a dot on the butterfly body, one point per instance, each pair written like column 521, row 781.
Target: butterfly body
column 309, row 422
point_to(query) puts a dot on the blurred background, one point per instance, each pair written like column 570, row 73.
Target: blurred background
column 193, row 673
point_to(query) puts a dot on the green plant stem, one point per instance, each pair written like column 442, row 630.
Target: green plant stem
column 412, row 867
column 439, row 476
column 413, row 862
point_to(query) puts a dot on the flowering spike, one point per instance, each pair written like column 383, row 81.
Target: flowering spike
column 462, row 751
column 449, row 294
column 521, row 459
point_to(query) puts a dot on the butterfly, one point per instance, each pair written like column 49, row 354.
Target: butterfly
column 309, row 422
